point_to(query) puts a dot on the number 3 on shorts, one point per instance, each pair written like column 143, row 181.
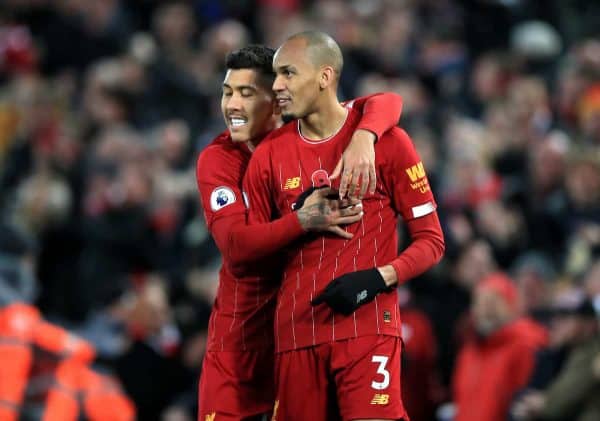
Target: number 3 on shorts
column 382, row 361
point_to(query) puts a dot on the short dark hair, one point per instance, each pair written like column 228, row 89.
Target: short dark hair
column 256, row 57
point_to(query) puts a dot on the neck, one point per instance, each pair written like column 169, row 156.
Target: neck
column 325, row 121
column 254, row 142
column 251, row 145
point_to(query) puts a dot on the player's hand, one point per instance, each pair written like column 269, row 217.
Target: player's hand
column 348, row 292
column 357, row 166
column 319, row 209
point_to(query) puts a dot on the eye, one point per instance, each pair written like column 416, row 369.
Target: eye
column 247, row 94
column 227, row 93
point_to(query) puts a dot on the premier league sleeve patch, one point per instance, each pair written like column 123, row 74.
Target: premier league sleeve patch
column 221, row 197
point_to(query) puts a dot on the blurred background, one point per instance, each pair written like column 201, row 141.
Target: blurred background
column 105, row 105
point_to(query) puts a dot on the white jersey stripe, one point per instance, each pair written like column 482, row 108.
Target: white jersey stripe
column 315, row 286
column 377, row 314
column 293, row 325
column 375, row 265
column 312, row 310
column 354, row 313
column 333, row 327
column 235, row 297
column 380, row 218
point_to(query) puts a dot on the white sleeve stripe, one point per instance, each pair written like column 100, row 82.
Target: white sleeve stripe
column 423, row 210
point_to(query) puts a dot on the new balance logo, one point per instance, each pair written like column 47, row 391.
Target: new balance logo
column 416, row 172
column 361, row 296
column 292, row 183
column 380, row 399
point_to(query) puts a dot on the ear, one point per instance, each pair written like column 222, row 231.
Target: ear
column 326, row 77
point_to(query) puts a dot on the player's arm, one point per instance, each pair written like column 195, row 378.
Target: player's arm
column 413, row 199
column 225, row 215
column 239, row 242
column 380, row 112
column 407, row 182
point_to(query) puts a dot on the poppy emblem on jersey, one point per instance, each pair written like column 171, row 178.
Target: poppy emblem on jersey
column 221, row 197
column 320, row 178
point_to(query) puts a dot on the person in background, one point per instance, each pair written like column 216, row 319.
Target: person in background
column 566, row 383
column 498, row 358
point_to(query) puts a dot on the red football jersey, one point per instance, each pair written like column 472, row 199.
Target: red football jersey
column 281, row 168
column 242, row 316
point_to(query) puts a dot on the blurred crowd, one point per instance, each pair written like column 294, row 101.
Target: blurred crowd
column 105, row 105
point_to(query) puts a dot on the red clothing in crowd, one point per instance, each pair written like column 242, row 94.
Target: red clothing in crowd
column 421, row 384
column 42, row 364
column 490, row 370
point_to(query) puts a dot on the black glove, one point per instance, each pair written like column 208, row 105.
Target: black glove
column 348, row 292
column 304, row 195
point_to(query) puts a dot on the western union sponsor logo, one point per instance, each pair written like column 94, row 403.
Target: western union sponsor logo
column 416, row 172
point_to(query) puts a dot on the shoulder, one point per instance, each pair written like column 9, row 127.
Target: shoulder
column 395, row 146
column 216, row 155
column 220, row 145
column 396, row 137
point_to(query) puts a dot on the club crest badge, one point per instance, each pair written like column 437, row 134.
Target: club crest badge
column 221, row 197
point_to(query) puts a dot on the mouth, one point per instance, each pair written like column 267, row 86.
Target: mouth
column 237, row 122
column 283, row 101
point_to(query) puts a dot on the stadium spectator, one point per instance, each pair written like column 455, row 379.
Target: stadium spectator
column 498, row 358
column 565, row 382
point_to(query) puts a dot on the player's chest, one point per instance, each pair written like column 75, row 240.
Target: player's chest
column 299, row 169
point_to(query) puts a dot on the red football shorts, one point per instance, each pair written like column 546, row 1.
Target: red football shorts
column 236, row 386
column 356, row 378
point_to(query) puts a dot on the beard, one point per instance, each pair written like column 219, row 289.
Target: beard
column 286, row 118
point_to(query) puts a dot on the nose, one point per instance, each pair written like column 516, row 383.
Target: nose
column 235, row 102
column 278, row 84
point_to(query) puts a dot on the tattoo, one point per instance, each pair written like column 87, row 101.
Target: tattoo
column 314, row 217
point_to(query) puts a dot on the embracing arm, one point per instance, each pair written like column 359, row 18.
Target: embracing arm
column 225, row 212
column 240, row 243
column 380, row 112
